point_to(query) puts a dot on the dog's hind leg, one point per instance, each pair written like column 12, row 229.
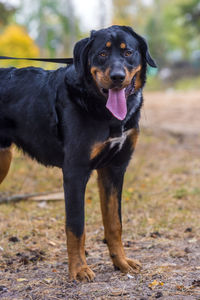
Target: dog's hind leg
column 5, row 160
column 110, row 180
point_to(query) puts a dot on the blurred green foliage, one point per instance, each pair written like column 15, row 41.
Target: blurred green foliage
column 172, row 27
column 187, row 84
column 54, row 24
column 6, row 13
column 191, row 11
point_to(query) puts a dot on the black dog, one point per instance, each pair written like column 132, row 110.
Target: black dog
column 80, row 118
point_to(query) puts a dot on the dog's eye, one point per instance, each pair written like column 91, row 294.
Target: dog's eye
column 103, row 54
column 128, row 53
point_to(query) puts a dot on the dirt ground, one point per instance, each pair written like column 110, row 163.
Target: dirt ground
column 161, row 218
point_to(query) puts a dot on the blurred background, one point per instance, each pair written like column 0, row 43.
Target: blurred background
column 50, row 28
column 161, row 206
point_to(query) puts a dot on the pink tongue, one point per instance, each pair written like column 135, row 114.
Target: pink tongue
column 116, row 103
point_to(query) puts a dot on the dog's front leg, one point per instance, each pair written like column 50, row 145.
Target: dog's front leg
column 75, row 180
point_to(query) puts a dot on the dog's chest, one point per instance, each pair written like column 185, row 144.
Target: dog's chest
column 103, row 152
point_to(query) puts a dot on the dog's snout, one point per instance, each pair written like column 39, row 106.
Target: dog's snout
column 117, row 76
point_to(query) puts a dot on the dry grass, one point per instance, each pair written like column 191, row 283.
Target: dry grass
column 161, row 211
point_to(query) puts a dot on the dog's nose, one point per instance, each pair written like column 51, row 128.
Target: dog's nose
column 117, row 76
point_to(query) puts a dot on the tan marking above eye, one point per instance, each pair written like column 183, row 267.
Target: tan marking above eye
column 122, row 45
column 108, row 44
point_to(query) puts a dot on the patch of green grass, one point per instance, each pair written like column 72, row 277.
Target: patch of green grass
column 181, row 169
column 154, row 83
column 181, row 193
column 187, row 84
column 196, row 191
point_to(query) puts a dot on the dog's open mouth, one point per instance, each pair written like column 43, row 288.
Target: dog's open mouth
column 117, row 100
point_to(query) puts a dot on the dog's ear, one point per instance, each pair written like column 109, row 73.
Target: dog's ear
column 81, row 51
column 143, row 45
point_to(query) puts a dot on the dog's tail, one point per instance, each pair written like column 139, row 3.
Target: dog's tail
column 5, row 160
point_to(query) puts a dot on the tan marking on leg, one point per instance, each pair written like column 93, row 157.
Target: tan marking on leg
column 113, row 228
column 78, row 268
column 97, row 149
column 5, row 161
column 133, row 136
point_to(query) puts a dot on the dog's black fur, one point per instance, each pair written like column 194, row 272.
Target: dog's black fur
column 60, row 119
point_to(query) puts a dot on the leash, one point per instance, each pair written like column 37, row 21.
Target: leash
column 52, row 60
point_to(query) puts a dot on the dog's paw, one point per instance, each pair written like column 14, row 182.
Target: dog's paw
column 82, row 273
column 126, row 265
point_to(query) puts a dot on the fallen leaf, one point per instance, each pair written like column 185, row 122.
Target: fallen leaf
column 180, row 287
column 52, row 243
column 22, row 279
column 155, row 283
column 48, row 280
column 89, row 200
column 54, row 270
column 161, row 283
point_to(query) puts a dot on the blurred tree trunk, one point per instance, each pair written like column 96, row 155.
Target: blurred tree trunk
column 68, row 22
column 54, row 23
column 102, row 13
column 72, row 24
column 6, row 12
column 191, row 12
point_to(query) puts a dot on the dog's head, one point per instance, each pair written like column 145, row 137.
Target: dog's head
column 115, row 59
